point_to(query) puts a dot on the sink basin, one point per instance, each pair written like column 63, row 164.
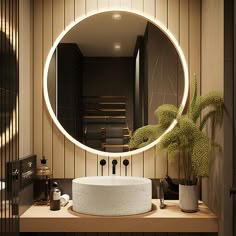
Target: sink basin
column 111, row 195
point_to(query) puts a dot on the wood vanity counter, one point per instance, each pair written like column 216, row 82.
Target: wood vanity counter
column 170, row 219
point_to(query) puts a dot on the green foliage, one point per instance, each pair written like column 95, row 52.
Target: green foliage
column 186, row 138
column 147, row 134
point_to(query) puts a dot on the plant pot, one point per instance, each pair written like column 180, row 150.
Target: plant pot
column 188, row 198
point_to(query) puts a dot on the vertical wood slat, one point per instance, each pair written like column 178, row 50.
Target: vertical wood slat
column 58, row 20
column 194, row 42
column 161, row 11
column 69, row 11
column 103, row 4
column 58, row 154
column 137, row 5
column 25, row 81
column 114, row 3
column 184, row 41
column 161, row 165
column 137, row 165
column 105, row 168
column 173, row 26
column 149, row 163
column 126, row 170
column 38, row 67
column 80, row 164
column 91, row 6
column 47, row 137
column 91, row 164
column 149, row 7
column 69, row 146
column 79, row 8
column 69, row 159
column 173, row 17
column 47, row 43
column 126, row 3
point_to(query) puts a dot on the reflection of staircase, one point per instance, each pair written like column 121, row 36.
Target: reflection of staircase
column 105, row 123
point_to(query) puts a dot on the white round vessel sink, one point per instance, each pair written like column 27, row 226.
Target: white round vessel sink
column 111, row 195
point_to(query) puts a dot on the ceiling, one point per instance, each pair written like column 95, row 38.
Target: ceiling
column 97, row 35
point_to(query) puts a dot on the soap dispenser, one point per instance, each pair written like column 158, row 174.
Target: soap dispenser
column 43, row 178
column 55, row 195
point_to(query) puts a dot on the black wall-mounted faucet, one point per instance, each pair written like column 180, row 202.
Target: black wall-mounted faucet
column 125, row 163
column 114, row 163
column 102, row 163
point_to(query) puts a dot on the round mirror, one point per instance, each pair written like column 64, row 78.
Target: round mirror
column 105, row 76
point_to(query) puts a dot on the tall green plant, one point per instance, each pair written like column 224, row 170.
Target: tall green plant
column 187, row 137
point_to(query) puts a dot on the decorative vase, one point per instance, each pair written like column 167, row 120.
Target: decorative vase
column 188, row 198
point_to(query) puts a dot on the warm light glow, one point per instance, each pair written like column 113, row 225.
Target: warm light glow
column 7, row 29
column 116, row 16
column 117, row 46
column 9, row 133
column 182, row 59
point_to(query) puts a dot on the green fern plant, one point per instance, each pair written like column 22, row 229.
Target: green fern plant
column 149, row 133
column 187, row 137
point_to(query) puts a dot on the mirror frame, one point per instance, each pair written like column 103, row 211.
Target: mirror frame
column 169, row 35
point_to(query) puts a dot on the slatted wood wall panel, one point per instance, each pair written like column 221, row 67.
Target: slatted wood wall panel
column 182, row 17
column 25, row 80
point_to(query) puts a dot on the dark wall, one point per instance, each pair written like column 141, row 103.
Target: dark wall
column 230, row 106
column 70, row 88
column 140, row 86
column 110, row 77
column 162, row 70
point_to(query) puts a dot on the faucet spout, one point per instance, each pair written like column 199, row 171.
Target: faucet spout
column 114, row 163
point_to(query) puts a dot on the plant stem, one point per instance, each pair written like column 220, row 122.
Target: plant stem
column 185, row 163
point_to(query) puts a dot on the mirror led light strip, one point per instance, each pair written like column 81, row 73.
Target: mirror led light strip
column 182, row 59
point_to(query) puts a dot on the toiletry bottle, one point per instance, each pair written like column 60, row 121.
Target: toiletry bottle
column 55, row 195
column 43, row 178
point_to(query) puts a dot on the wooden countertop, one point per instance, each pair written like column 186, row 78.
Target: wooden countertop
column 170, row 219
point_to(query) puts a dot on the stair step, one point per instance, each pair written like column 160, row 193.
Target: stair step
column 112, row 103
column 104, row 117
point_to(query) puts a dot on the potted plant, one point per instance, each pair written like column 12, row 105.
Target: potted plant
column 187, row 139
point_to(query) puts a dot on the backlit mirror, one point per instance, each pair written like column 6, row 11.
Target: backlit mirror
column 105, row 77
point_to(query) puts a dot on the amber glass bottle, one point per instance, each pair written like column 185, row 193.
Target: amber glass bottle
column 55, row 195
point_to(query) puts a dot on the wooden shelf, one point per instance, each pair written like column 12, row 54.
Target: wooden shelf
column 124, row 128
column 115, row 145
column 112, row 103
column 170, row 219
column 104, row 117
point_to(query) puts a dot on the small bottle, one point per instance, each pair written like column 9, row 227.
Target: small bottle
column 43, row 177
column 55, row 195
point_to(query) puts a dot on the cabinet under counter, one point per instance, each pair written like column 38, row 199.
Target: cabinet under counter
column 170, row 219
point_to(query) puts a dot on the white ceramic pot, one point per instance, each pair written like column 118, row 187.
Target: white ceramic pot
column 188, row 198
